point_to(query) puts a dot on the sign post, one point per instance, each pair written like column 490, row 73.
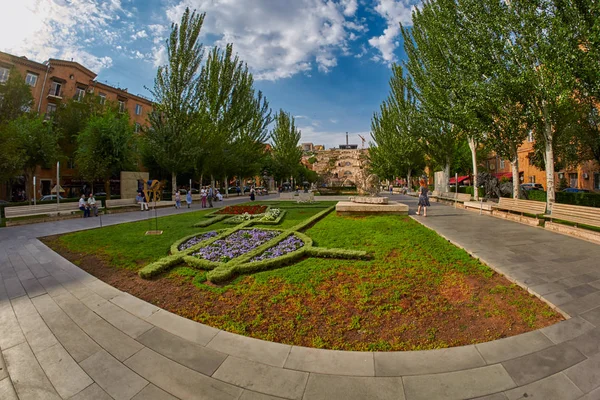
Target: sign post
column 34, row 193
column 57, row 183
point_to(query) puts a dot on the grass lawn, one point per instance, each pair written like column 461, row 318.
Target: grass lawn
column 417, row 292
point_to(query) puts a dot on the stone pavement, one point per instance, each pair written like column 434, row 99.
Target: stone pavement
column 66, row 335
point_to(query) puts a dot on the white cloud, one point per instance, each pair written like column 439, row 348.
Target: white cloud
column 278, row 39
column 395, row 12
column 45, row 29
column 139, row 35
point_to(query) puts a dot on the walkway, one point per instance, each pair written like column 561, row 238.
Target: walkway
column 65, row 334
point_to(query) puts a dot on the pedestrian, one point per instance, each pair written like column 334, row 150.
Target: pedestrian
column 83, row 206
column 177, row 200
column 141, row 200
column 423, row 197
column 252, row 194
column 188, row 198
column 203, row 196
column 92, row 204
column 391, row 189
column 209, row 194
column 238, row 190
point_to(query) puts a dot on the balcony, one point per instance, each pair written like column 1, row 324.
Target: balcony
column 54, row 94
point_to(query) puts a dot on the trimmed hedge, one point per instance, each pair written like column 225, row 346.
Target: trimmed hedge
column 175, row 246
column 213, row 220
column 471, row 190
column 322, row 252
column 159, row 266
column 312, row 219
column 575, row 199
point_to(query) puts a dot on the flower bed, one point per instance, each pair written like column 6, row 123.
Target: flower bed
column 289, row 244
column 196, row 239
column 236, row 210
column 271, row 215
column 236, row 244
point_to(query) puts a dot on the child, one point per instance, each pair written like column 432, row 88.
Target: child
column 177, row 200
column 423, row 198
column 188, row 198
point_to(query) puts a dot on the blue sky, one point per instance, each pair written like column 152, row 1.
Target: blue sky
column 324, row 61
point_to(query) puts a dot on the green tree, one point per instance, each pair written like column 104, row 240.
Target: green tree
column 286, row 153
column 15, row 97
column 177, row 94
column 105, row 148
column 38, row 144
column 11, row 156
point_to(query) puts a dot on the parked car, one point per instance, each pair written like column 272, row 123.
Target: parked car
column 100, row 194
column 50, row 197
column 575, row 190
column 3, row 202
column 532, row 186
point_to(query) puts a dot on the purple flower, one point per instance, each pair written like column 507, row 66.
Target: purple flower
column 196, row 239
column 287, row 245
column 238, row 243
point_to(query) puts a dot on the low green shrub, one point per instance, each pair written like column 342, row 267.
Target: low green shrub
column 312, row 219
column 213, row 220
column 200, row 263
column 338, row 253
column 536, row 195
column 576, row 199
column 159, row 266
column 471, row 190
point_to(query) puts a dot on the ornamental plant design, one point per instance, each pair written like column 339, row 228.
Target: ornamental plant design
column 241, row 250
column 236, row 210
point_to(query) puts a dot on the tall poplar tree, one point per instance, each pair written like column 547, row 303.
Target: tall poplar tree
column 286, row 151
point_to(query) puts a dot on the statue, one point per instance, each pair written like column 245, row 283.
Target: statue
column 152, row 189
column 367, row 183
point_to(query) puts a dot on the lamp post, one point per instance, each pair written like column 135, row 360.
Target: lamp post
column 57, row 183
column 34, row 193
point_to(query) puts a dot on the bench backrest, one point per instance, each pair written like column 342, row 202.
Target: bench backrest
column 286, row 195
column 580, row 214
column 449, row 195
column 306, row 196
column 435, row 193
column 120, row 202
column 524, row 206
column 17, row 211
column 464, row 197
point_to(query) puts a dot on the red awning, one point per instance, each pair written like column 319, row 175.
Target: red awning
column 460, row 179
column 501, row 175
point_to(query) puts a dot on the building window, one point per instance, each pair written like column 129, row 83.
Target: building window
column 55, row 89
column 31, row 79
column 137, row 127
column 4, row 73
column 138, row 109
column 51, row 109
column 102, row 97
column 573, row 180
column 532, row 179
column 79, row 94
column 596, row 181
column 121, row 106
column 530, row 137
column 501, row 164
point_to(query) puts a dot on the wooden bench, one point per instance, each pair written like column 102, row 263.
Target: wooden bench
column 453, row 196
column 121, row 203
column 306, row 197
column 521, row 206
column 286, row 195
column 41, row 209
column 577, row 214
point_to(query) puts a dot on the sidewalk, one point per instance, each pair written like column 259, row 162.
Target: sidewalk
column 65, row 334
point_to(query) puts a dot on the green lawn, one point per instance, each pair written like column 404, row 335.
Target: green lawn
column 417, row 292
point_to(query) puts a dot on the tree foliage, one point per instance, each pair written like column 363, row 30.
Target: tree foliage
column 15, row 97
column 286, row 152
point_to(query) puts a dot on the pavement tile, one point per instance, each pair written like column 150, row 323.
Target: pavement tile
column 10, row 331
column 122, row 320
column 151, row 392
column 261, row 351
column 250, row 395
column 178, row 380
column 7, row 392
column 567, row 330
column 577, row 280
column 325, row 387
column 183, row 327
column 533, row 367
column 3, row 370
column 403, row 363
column 586, row 374
column 546, row 288
column 593, row 395
column 103, row 289
column 66, row 375
column 513, row 347
column 199, row 358
column 555, row 387
column 76, row 310
column 25, row 274
column 469, row 383
column 588, row 343
column 27, row 376
column 331, row 361
column 581, row 290
column 262, row 378
column 14, row 288
column 495, row 396
column 592, row 316
column 52, row 286
column 113, row 377
column 112, row 340
column 33, row 287
column 79, row 345
column 135, row 306
column 33, row 326
column 92, row 392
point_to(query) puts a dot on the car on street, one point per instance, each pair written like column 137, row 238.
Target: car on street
column 575, row 190
column 99, row 194
column 532, row 186
column 50, row 197
column 3, row 202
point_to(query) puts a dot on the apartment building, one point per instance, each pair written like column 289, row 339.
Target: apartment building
column 56, row 81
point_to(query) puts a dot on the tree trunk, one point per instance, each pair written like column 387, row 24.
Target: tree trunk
column 226, row 184
column 408, row 180
column 173, row 184
column 514, row 166
column 548, row 158
column 106, row 188
column 473, row 145
column 445, row 187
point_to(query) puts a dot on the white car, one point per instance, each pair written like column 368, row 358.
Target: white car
column 49, row 197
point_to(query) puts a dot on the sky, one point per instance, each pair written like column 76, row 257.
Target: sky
column 327, row 62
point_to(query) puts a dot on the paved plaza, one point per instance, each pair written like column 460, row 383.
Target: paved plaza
column 66, row 335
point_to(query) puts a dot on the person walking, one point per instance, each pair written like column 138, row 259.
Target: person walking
column 252, row 194
column 83, row 206
column 177, row 200
column 423, row 197
column 92, row 204
column 209, row 194
column 203, row 197
column 188, row 198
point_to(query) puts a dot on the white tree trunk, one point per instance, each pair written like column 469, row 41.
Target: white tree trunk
column 514, row 166
column 548, row 158
column 473, row 146
column 226, row 187
column 174, row 183
column 445, row 186
column 408, row 180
